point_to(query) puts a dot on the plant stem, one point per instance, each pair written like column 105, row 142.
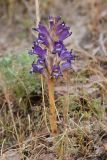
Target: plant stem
column 43, row 101
column 53, row 117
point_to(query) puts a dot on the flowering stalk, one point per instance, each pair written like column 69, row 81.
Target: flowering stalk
column 52, row 57
column 53, row 117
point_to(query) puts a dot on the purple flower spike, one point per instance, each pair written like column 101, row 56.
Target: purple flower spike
column 52, row 56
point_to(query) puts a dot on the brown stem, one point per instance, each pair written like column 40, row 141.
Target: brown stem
column 53, row 117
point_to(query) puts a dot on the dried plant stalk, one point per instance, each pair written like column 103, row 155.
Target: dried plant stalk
column 37, row 12
column 66, row 101
column 65, row 115
column 11, row 11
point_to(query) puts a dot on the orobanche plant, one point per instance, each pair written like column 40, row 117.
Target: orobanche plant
column 52, row 58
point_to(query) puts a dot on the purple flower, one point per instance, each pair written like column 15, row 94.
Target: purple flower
column 41, row 29
column 52, row 56
column 58, row 47
column 42, row 39
column 56, row 72
column 63, row 31
column 38, row 67
column 65, row 65
column 66, row 55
